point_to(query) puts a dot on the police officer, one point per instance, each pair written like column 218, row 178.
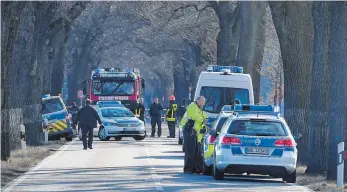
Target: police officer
column 170, row 116
column 155, row 113
column 192, row 122
column 73, row 109
column 87, row 118
column 140, row 110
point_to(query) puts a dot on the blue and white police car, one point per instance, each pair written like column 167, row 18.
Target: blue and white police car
column 255, row 140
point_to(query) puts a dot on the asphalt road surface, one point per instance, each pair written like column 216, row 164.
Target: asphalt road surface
column 154, row 164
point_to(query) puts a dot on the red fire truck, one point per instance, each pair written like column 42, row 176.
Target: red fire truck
column 115, row 84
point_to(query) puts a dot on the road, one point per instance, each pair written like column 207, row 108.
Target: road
column 154, row 164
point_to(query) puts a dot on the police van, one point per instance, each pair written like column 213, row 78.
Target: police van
column 56, row 118
column 221, row 85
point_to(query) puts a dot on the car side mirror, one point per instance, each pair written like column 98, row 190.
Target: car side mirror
column 212, row 132
column 297, row 137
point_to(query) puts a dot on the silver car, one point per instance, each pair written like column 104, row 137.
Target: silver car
column 255, row 144
column 119, row 122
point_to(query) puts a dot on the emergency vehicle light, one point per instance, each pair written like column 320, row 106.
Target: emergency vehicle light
column 217, row 68
column 257, row 108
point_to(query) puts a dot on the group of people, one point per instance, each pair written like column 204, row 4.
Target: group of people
column 192, row 121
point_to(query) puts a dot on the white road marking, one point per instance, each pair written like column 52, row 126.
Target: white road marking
column 155, row 178
column 48, row 159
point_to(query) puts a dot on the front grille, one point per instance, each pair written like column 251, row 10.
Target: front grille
column 127, row 125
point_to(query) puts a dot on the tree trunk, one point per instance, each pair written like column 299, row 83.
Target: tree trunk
column 294, row 26
column 337, row 78
column 317, row 114
column 228, row 36
column 252, row 41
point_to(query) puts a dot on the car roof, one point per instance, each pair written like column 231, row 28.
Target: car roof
column 225, row 114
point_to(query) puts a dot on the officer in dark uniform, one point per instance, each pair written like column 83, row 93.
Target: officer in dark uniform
column 155, row 113
column 87, row 118
column 182, row 109
column 140, row 110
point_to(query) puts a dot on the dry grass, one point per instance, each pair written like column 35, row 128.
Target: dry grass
column 22, row 160
column 315, row 182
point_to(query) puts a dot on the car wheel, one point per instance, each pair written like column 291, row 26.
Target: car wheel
column 217, row 174
column 118, row 138
column 206, row 170
column 68, row 138
column 139, row 138
column 290, row 178
column 102, row 135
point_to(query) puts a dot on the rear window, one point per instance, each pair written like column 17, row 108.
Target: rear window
column 257, row 128
column 51, row 106
column 220, row 123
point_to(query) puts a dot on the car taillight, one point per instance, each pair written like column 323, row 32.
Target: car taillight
column 284, row 143
column 212, row 139
column 231, row 140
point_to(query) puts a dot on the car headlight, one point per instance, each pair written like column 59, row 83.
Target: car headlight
column 110, row 124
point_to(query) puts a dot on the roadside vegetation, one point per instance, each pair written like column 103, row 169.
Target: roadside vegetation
column 23, row 160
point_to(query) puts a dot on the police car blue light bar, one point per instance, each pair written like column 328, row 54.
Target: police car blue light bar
column 258, row 108
column 217, row 68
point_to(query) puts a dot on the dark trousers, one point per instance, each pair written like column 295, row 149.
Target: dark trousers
column 189, row 149
column 87, row 130
column 156, row 120
column 198, row 156
column 171, row 125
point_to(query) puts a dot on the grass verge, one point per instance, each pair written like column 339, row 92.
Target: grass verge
column 315, row 182
column 22, row 160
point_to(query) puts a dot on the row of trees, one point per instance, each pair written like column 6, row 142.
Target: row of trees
column 302, row 44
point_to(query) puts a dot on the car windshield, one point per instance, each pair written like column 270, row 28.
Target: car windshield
column 256, row 128
column 217, row 97
column 116, row 112
column 51, row 105
column 113, row 88
column 220, row 123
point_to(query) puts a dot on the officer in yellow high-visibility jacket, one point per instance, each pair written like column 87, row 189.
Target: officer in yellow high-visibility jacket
column 171, row 116
column 193, row 122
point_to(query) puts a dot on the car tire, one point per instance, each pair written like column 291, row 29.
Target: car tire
column 68, row 138
column 217, row 174
column 206, row 170
column 290, row 178
column 102, row 135
column 118, row 138
column 139, row 138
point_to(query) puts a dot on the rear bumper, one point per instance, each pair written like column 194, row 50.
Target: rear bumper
column 126, row 133
column 256, row 164
column 63, row 133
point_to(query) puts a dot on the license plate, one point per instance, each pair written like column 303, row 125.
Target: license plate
column 127, row 129
column 256, row 150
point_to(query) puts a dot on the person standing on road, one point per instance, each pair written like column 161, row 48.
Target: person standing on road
column 87, row 117
column 192, row 123
column 140, row 110
column 73, row 109
column 155, row 113
column 171, row 116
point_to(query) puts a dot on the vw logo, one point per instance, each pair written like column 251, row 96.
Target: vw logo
column 257, row 141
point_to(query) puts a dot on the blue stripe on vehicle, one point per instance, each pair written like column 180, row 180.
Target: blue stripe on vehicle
column 236, row 151
column 289, row 149
column 224, row 146
column 277, row 153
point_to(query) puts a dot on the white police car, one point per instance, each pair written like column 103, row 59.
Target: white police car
column 255, row 141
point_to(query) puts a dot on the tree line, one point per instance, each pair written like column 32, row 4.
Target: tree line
column 302, row 43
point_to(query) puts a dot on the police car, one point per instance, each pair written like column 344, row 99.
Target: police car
column 255, row 140
column 208, row 140
column 55, row 118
